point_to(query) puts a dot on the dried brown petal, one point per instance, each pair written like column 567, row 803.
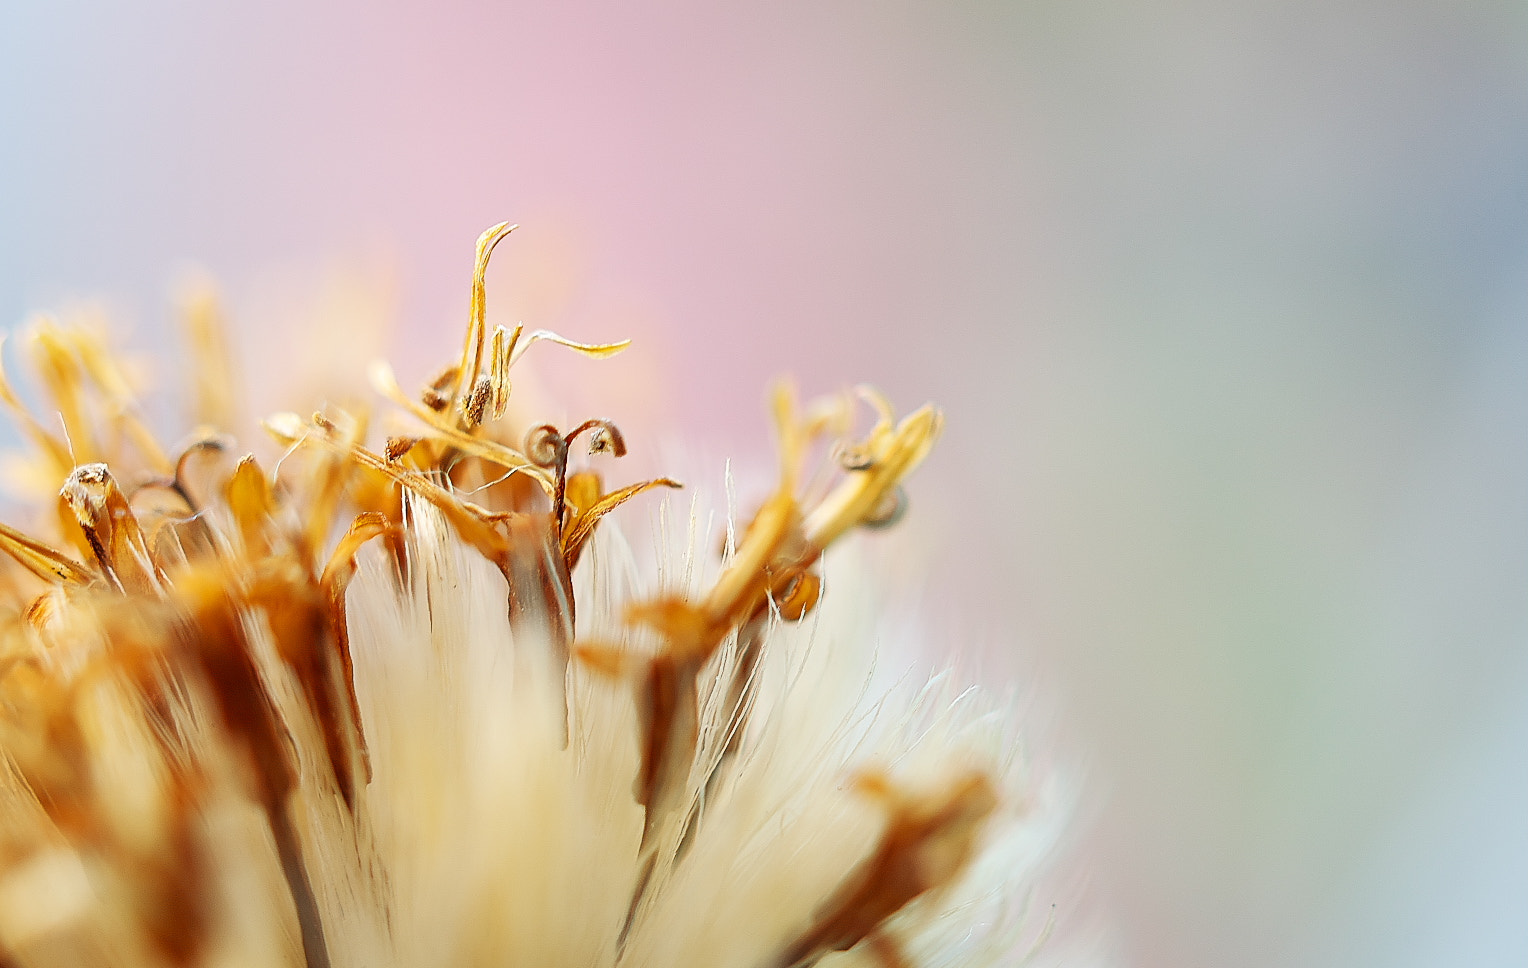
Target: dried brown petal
column 928, row 840
column 41, row 560
column 107, row 522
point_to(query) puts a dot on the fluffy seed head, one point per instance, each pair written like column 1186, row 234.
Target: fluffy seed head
column 417, row 705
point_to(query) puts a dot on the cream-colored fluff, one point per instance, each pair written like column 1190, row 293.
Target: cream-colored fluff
column 502, row 847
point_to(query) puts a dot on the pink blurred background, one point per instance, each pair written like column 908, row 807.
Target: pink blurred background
column 1225, row 302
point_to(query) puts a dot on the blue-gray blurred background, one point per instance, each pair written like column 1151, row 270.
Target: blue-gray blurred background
column 1227, row 304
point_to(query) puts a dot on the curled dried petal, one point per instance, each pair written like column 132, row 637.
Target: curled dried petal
column 545, row 446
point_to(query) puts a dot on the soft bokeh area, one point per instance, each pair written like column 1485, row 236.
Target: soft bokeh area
column 1227, row 304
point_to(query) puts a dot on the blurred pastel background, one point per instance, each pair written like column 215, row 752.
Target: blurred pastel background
column 1227, row 304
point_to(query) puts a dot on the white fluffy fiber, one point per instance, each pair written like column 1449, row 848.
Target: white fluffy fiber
column 491, row 844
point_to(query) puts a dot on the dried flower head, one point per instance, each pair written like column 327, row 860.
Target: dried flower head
column 413, row 705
